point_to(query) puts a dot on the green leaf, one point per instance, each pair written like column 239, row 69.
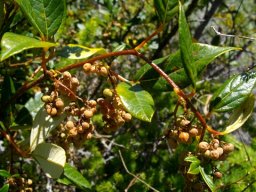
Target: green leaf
column 233, row 93
column 5, row 188
column 33, row 105
column 12, row 44
column 76, row 177
column 166, row 9
column 51, row 158
column 240, row 115
column 136, row 101
column 207, row 179
column 203, row 54
column 185, row 43
column 73, row 51
column 4, row 173
column 194, row 166
column 42, row 125
column 45, row 15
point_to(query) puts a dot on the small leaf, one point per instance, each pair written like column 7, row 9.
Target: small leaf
column 73, row 51
column 42, row 125
column 76, row 177
column 136, row 101
column 5, row 188
column 207, row 179
column 185, row 43
column 51, row 158
column 233, row 93
column 194, row 166
column 240, row 115
column 166, row 9
column 4, row 173
column 12, row 44
column 45, row 15
column 120, row 47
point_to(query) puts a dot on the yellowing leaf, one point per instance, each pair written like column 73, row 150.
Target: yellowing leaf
column 51, row 157
column 73, row 51
column 240, row 115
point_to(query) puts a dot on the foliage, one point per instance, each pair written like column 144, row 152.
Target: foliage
column 116, row 96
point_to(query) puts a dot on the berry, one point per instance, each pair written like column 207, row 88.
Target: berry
column 228, row 147
column 220, row 150
column 74, row 82
column 184, row 137
column 29, row 182
column 127, row 116
column 88, row 113
column 207, row 153
column 69, row 124
column 108, row 93
column 85, row 125
column 103, row 71
column 214, row 154
column 72, row 132
column 46, row 98
column 59, row 103
column 52, row 111
column 193, row 132
column 217, row 175
column 203, row 146
column 87, row 67
column 66, row 75
column 92, row 103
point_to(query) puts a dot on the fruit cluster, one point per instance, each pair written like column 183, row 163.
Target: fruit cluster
column 113, row 112
column 215, row 150
column 97, row 67
column 20, row 184
column 54, row 105
column 183, row 132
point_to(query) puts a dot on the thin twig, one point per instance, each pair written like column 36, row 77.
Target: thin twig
column 122, row 159
column 234, row 36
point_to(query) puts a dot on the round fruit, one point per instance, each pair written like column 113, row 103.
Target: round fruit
column 46, row 98
column 103, row 71
column 184, row 137
column 217, row 175
column 59, row 103
column 85, row 125
column 127, row 116
column 107, row 93
column 203, row 146
column 74, row 81
column 52, row 111
column 92, row 103
column 66, row 75
column 87, row 67
column 69, row 124
column 220, row 150
column 214, row 154
column 228, row 147
column 73, row 132
column 88, row 113
column 207, row 153
column 193, row 132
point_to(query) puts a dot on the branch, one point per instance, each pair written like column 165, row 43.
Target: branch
column 122, row 159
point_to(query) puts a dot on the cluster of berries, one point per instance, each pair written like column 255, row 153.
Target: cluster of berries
column 183, row 132
column 97, row 67
column 20, row 184
column 215, row 150
column 114, row 114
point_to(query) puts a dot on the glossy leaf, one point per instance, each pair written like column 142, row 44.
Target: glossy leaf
column 4, row 188
column 194, row 165
column 186, row 49
column 203, row 54
column 42, row 125
column 4, row 173
column 73, row 51
column 166, row 9
column 136, row 101
column 12, row 44
column 51, row 158
column 240, row 115
column 76, row 177
column 207, row 179
column 45, row 15
column 233, row 93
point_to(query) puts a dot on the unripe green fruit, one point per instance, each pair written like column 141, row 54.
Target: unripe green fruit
column 87, row 67
column 107, row 93
column 184, row 137
column 69, row 124
column 203, row 146
column 46, row 98
column 88, row 113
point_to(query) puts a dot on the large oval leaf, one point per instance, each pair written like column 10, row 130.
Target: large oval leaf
column 73, row 51
column 136, row 101
column 45, row 15
column 51, row 158
column 240, row 115
column 4, row 188
column 185, row 43
column 42, row 125
column 12, row 44
column 233, row 93
column 76, row 177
